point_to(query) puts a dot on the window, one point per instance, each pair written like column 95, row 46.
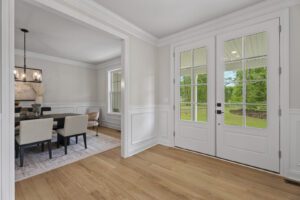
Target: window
column 193, row 85
column 114, row 91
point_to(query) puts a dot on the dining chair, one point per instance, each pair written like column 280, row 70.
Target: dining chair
column 17, row 114
column 37, row 131
column 94, row 121
column 74, row 126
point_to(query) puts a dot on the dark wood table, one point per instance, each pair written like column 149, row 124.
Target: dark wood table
column 59, row 118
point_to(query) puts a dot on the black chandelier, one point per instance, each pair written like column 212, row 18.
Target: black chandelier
column 24, row 74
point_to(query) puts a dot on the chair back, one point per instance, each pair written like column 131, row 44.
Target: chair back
column 75, row 125
column 18, row 109
column 32, row 131
column 94, row 116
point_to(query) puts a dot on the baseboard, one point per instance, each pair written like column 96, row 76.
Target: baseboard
column 111, row 125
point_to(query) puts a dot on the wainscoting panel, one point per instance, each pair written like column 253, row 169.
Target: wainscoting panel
column 293, row 171
column 143, row 128
column 110, row 120
column 165, row 125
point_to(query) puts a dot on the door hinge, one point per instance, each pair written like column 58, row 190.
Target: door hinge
column 173, row 54
column 173, row 107
column 280, row 70
column 279, row 112
column 280, row 28
column 279, row 154
column 174, row 80
column 174, row 133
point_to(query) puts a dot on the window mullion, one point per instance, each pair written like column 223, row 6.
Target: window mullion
column 244, row 81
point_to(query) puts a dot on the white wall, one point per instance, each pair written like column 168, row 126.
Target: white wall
column 68, row 87
column 108, row 120
column 293, row 144
column 143, row 64
column 295, row 57
column 63, row 83
column 143, row 121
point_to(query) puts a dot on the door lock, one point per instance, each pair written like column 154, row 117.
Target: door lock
column 219, row 112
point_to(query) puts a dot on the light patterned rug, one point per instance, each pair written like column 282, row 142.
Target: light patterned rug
column 37, row 162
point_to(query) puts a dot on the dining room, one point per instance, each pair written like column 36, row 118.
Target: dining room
column 67, row 91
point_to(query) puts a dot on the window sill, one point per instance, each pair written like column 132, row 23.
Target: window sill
column 114, row 113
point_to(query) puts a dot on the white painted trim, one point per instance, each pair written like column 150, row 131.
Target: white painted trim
column 67, row 9
column 120, row 23
column 172, row 93
column 7, row 158
column 110, row 63
column 109, row 21
column 256, row 11
column 284, row 90
column 30, row 54
column 78, row 11
column 196, row 34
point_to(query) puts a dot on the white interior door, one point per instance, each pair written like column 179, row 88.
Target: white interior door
column 195, row 96
column 248, row 94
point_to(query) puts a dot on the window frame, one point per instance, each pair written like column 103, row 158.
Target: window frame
column 109, row 91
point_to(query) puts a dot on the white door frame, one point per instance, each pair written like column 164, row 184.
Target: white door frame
column 211, row 31
column 7, row 158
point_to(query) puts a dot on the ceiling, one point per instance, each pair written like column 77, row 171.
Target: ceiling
column 55, row 35
column 165, row 17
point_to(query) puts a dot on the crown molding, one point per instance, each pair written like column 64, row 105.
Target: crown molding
column 110, row 21
column 110, row 63
column 119, row 22
column 30, row 54
column 236, row 17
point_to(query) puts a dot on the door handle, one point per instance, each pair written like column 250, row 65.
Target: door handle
column 219, row 112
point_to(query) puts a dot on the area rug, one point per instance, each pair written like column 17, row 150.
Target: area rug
column 37, row 162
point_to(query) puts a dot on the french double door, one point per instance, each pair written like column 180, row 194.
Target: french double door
column 227, row 96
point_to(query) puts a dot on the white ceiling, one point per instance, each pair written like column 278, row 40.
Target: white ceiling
column 55, row 35
column 164, row 17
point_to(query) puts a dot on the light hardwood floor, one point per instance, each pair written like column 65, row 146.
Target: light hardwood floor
column 158, row 173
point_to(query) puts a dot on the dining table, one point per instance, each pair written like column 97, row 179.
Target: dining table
column 59, row 118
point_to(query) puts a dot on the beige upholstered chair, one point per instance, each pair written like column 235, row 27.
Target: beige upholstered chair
column 74, row 127
column 94, row 120
column 34, row 132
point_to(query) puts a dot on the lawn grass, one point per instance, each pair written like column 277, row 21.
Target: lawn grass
column 229, row 118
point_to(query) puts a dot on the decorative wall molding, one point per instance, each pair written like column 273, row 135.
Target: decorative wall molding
column 143, row 128
column 293, row 160
column 240, row 16
column 40, row 56
column 165, row 120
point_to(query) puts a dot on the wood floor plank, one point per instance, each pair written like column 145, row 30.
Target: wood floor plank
column 157, row 173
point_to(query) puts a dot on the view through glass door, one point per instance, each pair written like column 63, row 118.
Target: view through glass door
column 248, row 96
column 231, row 109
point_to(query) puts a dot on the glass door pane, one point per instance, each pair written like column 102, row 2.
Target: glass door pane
column 193, row 85
column 245, row 81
